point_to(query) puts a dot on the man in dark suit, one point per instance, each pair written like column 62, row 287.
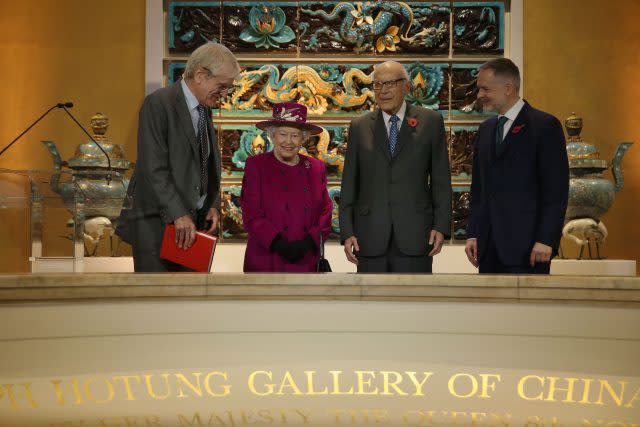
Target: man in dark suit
column 177, row 174
column 520, row 181
column 395, row 202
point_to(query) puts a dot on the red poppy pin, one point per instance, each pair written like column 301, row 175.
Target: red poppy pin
column 516, row 129
column 412, row 122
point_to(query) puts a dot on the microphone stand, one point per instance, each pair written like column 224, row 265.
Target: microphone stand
column 64, row 107
column 60, row 105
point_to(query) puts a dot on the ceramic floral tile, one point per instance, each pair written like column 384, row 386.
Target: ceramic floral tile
column 460, row 212
column 231, row 226
column 461, row 151
column 191, row 24
column 260, row 27
column 478, row 28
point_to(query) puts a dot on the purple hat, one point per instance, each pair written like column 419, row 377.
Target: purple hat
column 290, row 114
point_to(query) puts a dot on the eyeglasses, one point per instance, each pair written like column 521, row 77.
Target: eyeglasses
column 389, row 84
column 223, row 90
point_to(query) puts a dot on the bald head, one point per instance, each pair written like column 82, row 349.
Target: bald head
column 392, row 67
column 390, row 85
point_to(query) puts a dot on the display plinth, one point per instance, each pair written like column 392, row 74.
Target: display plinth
column 176, row 350
column 452, row 260
column 68, row 211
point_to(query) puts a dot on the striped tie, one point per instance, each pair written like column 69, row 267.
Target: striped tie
column 393, row 134
column 202, row 142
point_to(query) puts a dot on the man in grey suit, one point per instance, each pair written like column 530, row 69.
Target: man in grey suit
column 177, row 174
column 395, row 202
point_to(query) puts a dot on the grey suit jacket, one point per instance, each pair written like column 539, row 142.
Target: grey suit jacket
column 409, row 193
column 166, row 181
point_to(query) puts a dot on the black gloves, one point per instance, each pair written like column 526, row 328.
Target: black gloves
column 293, row 251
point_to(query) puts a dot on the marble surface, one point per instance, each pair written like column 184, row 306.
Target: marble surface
column 333, row 286
column 230, row 256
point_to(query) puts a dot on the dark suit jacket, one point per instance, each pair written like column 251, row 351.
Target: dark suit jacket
column 166, row 181
column 519, row 194
column 409, row 193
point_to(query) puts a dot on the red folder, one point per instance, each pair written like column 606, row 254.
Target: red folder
column 198, row 257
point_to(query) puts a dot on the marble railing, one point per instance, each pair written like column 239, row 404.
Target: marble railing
column 333, row 286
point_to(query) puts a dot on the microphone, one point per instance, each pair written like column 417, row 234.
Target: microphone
column 66, row 105
column 58, row 105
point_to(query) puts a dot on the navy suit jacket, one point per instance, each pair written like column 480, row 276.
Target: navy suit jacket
column 519, row 193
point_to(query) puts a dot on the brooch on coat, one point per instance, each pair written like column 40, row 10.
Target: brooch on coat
column 307, row 164
column 516, row 129
column 412, row 122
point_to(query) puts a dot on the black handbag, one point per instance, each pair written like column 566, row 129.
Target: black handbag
column 323, row 263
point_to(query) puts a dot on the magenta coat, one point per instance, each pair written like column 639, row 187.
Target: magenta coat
column 291, row 200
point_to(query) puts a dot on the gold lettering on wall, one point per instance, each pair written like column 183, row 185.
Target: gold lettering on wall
column 433, row 417
column 553, row 388
column 245, row 417
column 310, row 382
column 252, row 384
column 226, row 388
column 364, row 383
column 567, row 390
column 152, row 392
column 336, row 384
column 125, row 379
column 7, row 391
column 531, row 379
column 467, row 379
column 110, row 392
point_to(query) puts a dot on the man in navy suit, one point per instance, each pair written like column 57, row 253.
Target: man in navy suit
column 520, row 182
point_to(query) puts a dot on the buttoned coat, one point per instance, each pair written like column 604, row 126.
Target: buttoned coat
column 288, row 200
column 409, row 193
column 519, row 192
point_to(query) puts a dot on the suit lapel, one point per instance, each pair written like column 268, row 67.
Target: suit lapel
column 380, row 137
column 185, row 119
column 492, row 140
column 405, row 130
column 213, row 143
column 515, row 133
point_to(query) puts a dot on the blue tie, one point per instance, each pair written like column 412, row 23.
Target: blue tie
column 393, row 134
column 202, row 142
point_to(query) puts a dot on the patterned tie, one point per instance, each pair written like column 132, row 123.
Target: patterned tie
column 393, row 134
column 202, row 142
column 500, row 130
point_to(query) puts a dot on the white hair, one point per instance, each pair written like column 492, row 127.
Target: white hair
column 212, row 57
column 271, row 130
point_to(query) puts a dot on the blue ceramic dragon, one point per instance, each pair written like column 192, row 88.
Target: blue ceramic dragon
column 359, row 27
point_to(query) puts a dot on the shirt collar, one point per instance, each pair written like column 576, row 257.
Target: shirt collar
column 515, row 110
column 192, row 101
column 400, row 113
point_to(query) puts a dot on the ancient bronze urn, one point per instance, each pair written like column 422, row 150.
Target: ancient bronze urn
column 95, row 188
column 590, row 194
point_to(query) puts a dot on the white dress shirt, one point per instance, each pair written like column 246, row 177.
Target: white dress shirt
column 511, row 116
column 387, row 117
column 192, row 105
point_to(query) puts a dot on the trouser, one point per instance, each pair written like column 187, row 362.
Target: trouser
column 394, row 261
column 147, row 240
column 490, row 263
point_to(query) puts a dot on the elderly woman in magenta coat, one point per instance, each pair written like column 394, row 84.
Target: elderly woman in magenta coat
column 285, row 203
